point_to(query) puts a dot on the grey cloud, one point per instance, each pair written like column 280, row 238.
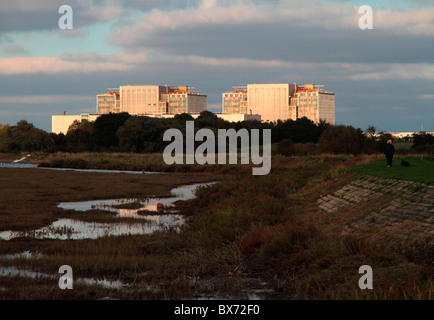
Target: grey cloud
column 292, row 43
column 24, row 15
column 20, row 15
column 14, row 49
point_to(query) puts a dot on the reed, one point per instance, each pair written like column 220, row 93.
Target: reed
column 240, row 231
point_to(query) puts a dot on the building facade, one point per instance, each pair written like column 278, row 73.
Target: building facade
column 61, row 123
column 314, row 103
column 108, row 102
column 281, row 101
column 183, row 100
column 270, row 101
column 235, row 102
column 149, row 100
column 142, row 100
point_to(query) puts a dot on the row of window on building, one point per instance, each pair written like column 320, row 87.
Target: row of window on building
column 275, row 102
column 271, row 102
column 262, row 102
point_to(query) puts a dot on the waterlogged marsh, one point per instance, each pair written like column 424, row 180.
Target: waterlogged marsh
column 31, row 201
column 70, row 229
column 268, row 228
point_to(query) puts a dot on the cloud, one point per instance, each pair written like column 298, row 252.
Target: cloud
column 211, row 14
column 296, row 31
column 384, row 72
column 52, row 65
column 23, row 15
column 409, row 21
column 78, row 63
column 289, row 15
column 35, row 99
column 75, row 32
column 14, row 49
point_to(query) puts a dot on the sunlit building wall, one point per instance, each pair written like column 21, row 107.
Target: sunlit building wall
column 61, row 123
column 108, row 102
column 186, row 103
column 270, row 101
column 142, row 99
column 235, row 102
column 315, row 104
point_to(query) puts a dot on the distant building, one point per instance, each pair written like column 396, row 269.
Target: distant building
column 270, row 101
column 149, row 100
column 314, row 103
column 262, row 102
column 239, row 117
column 281, row 101
column 108, row 102
column 182, row 100
column 61, row 123
column 235, row 102
column 143, row 100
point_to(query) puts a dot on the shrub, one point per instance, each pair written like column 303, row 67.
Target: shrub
column 24, row 137
column 285, row 147
column 340, row 139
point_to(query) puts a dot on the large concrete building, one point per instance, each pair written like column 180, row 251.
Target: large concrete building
column 270, row 101
column 183, row 100
column 314, row 103
column 150, row 100
column 235, row 102
column 142, row 99
column 281, row 101
column 262, row 102
column 108, row 102
column 61, row 123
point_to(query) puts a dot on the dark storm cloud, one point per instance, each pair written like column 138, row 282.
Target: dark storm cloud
column 293, row 43
column 23, row 15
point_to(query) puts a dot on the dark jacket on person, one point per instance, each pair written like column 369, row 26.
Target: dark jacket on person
column 389, row 149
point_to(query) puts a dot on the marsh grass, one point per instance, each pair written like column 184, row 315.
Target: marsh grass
column 152, row 162
column 267, row 228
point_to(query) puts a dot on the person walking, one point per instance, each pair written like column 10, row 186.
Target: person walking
column 389, row 151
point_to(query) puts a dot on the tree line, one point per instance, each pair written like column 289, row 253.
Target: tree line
column 123, row 132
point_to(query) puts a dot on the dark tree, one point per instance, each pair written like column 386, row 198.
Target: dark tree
column 340, row 139
column 106, row 127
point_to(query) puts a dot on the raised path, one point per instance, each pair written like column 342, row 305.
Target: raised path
column 384, row 207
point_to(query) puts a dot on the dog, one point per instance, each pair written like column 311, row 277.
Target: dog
column 405, row 163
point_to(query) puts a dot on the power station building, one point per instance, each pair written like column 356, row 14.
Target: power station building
column 235, row 102
column 314, row 103
column 108, row 102
column 261, row 102
column 160, row 100
column 281, row 101
column 143, row 100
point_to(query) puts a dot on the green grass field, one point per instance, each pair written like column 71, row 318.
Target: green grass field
column 421, row 169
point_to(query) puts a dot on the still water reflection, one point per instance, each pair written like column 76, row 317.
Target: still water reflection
column 70, row 229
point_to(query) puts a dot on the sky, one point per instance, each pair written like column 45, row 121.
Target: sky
column 382, row 77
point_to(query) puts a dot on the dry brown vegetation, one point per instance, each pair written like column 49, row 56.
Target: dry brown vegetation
column 247, row 232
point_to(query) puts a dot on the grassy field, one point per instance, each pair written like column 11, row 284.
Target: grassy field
column 246, row 232
column 421, row 169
